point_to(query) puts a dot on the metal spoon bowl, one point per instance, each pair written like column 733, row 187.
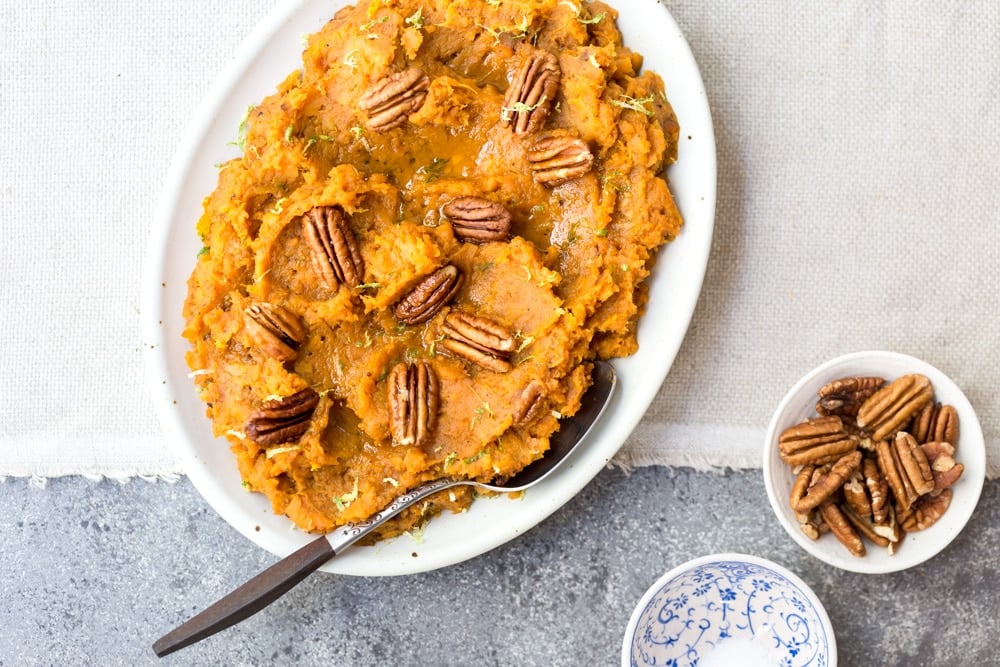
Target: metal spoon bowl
column 281, row 577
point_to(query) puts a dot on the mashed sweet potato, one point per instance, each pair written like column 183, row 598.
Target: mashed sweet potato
column 497, row 166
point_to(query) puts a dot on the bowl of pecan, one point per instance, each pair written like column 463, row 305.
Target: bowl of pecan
column 874, row 461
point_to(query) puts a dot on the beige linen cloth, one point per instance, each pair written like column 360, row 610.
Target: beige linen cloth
column 859, row 198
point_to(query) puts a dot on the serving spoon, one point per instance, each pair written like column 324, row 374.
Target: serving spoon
column 281, row 577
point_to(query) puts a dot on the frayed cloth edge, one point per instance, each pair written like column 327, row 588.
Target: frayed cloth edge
column 628, row 460
column 122, row 477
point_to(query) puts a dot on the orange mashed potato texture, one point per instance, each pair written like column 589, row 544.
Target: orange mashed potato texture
column 564, row 281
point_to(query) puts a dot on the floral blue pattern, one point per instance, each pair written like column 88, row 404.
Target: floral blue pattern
column 694, row 611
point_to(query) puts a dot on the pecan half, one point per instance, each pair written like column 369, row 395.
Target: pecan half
column 889, row 528
column 914, row 462
column 812, row 524
column 478, row 220
column 936, row 423
column 925, row 512
column 828, row 484
column 282, row 419
column 941, row 456
column 799, row 488
column 414, row 399
column 856, row 496
column 890, row 408
column 477, row 339
column 429, row 296
column 335, row 251
column 945, row 427
column 274, row 329
column 820, row 440
column 842, row 528
column 905, row 468
column 557, row 158
column 391, row 99
column 923, row 422
column 810, row 529
column 890, row 470
column 531, row 93
column 529, row 403
column 845, row 396
column 878, row 490
column 864, row 526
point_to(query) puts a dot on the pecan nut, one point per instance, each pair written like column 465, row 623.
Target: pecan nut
column 945, row 427
column 531, row 93
column 941, row 456
column 335, row 252
column 557, row 158
column 477, row 339
column 827, row 485
column 865, row 527
column 890, row 408
column 936, row 423
column 812, row 524
column 878, row 490
column 274, row 329
column 925, row 512
column 529, row 403
column 914, row 462
column 856, row 496
column 905, row 468
column 391, row 99
column 810, row 528
column 282, row 419
column 845, row 396
column 809, row 521
column 841, row 528
column 429, row 296
column 889, row 528
column 799, row 488
column 818, row 441
column 414, row 400
column 478, row 220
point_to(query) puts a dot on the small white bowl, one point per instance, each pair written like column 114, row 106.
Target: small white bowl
column 729, row 609
column 917, row 547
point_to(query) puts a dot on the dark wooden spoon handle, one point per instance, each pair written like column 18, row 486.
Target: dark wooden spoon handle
column 278, row 579
column 249, row 598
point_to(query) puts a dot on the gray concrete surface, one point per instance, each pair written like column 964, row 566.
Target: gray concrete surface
column 92, row 573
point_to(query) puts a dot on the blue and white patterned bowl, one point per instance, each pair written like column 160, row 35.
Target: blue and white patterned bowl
column 729, row 609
